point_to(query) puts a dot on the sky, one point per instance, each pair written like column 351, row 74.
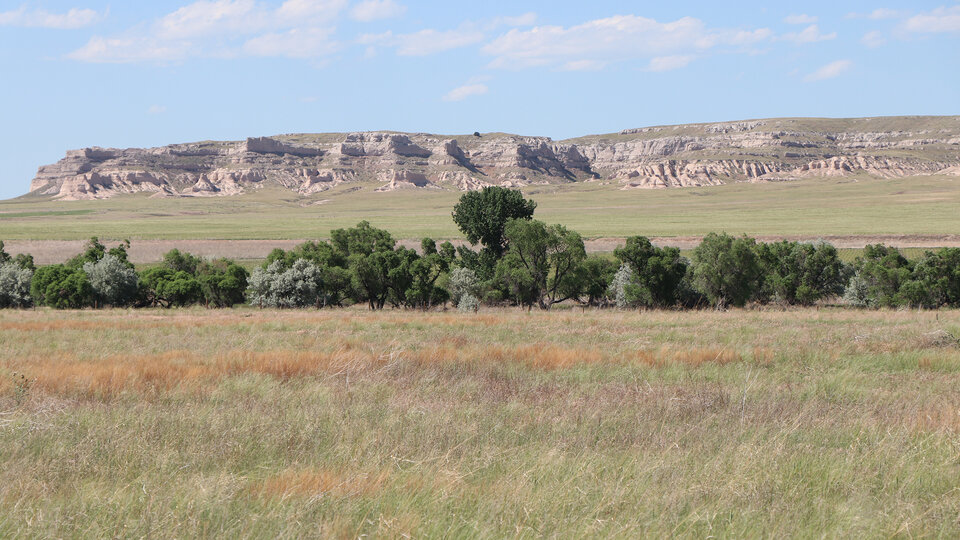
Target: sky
column 82, row 73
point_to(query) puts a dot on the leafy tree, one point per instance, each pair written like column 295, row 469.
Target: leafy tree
column 167, row 287
column 371, row 276
column 297, row 286
column 800, row 273
column 222, row 282
column 657, row 272
column 370, row 258
column 319, row 253
column 425, row 271
column 113, row 282
column 179, row 261
column 883, row 270
column 726, row 269
column 594, row 277
column 22, row 260
column 61, row 287
column 935, row 280
column 14, row 284
column 542, row 263
column 363, row 239
column 482, row 215
column 95, row 250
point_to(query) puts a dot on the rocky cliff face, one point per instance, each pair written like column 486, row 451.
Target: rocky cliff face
column 655, row 157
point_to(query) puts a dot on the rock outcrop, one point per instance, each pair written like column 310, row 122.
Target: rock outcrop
column 653, row 157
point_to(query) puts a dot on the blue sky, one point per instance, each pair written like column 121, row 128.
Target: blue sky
column 92, row 73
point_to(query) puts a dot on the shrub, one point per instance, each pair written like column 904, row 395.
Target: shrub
column 799, row 273
column 15, row 285
column 657, row 272
column 112, row 281
column 726, row 269
column 295, row 287
column 61, row 287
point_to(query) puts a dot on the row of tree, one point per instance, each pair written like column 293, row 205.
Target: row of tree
column 514, row 260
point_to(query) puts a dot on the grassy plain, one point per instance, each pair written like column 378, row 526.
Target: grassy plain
column 849, row 206
column 807, row 423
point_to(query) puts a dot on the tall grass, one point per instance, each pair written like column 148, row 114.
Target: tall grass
column 407, row 424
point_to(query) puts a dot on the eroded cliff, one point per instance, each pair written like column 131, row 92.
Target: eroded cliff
column 655, row 157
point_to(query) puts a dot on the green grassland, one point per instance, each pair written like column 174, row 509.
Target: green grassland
column 814, row 207
column 247, row 423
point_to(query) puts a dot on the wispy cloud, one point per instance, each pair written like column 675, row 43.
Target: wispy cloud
column 156, row 109
column 613, row 39
column 939, row 21
column 463, row 92
column 873, row 39
column 799, row 19
column 426, row 42
column 669, row 63
column 372, row 10
column 39, row 18
column 810, row 34
column 829, row 71
column 223, row 28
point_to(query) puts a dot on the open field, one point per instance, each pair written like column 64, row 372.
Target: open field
column 834, row 423
column 841, row 207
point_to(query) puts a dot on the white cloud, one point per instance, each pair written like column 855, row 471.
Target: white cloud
column 371, row 10
column 940, row 20
column 527, row 19
column 873, row 39
column 583, row 65
column 39, row 18
column 121, row 50
column 426, row 42
column 878, row 14
column 295, row 43
column 829, row 71
column 223, row 28
column 462, row 92
column 668, row 63
column 799, row 19
column 883, row 13
column 156, row 109
column 810, row 34
column 619, row 38
column 310, row 11
column 204, row 18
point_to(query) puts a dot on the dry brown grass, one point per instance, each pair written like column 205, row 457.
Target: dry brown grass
column 694, row 357
column 110, row 376
column 317, row 482
column 943, row 417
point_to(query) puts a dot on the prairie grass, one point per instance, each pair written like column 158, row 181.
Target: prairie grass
column 344, row 423
column 848, row 206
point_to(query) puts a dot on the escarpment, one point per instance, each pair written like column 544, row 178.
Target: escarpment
column 643, row 158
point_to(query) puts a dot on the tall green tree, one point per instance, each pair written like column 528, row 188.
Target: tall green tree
column 657, row 272
column 482, row 216
column 542, row 263
column 726, row 269
column 800, row 273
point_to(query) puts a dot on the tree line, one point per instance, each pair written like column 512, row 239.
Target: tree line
column 513, row 259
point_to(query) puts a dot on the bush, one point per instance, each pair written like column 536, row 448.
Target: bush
column 657, row 272
column 726, row 269
column 298, row 286
column 622, row 280
column 61, row 287
column 15, row 285
column 799, row 273
column 112, row 281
